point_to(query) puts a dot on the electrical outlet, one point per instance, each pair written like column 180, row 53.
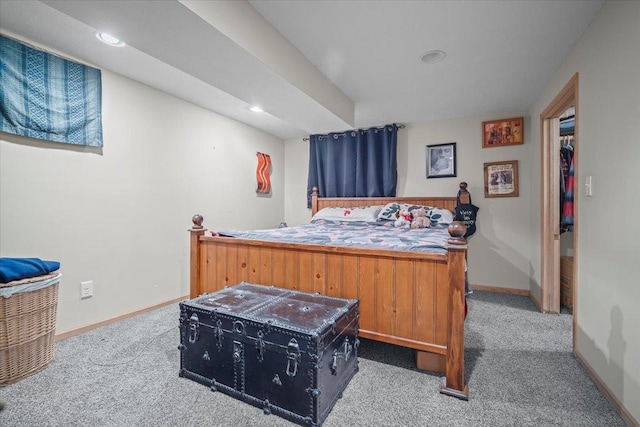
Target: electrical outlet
column 86, row 289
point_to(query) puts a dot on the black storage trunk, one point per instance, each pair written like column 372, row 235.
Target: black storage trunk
column 290, row 353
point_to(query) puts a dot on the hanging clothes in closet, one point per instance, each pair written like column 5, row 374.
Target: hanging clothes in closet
column 566, row 187
column 567, row 127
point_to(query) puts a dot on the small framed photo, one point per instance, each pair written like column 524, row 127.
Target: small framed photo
column 500, row 133
column 441, row 160
column 501, row 179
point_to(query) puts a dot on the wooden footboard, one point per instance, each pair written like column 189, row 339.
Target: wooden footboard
column 412, row 299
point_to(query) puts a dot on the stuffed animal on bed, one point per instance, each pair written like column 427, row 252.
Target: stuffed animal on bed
column 403, row 218
column 419, row 219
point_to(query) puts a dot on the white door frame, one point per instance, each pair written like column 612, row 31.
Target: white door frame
column 550, row 200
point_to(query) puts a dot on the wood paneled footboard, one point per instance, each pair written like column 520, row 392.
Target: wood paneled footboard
column 412, row 299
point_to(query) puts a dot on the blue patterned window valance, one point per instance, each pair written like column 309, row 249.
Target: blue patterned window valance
column 47, row 97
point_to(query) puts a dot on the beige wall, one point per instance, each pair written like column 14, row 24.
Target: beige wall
column 120, row 216
column 607, row 59
column 499, row 251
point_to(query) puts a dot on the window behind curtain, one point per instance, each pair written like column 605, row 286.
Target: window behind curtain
column 358, row 163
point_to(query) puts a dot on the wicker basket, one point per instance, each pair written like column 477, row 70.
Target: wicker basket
column 27, row 329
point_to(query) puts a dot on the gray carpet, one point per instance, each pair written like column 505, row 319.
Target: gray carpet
column 519, row 365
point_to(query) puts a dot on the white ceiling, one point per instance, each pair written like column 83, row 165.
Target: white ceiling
column 340, row 64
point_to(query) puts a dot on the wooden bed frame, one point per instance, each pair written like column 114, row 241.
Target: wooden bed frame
column 412, row 299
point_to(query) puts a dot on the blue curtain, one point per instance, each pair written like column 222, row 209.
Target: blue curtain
column 47, row 97
column 357, row 163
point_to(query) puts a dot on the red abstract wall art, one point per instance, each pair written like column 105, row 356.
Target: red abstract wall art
column 263, row 173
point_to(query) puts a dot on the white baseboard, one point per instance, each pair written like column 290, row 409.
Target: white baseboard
column 64, row 335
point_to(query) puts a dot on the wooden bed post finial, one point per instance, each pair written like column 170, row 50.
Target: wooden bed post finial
column 456, row 230
column 197, row 221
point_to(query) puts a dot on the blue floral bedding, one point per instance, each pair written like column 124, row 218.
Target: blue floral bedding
column 378, row 235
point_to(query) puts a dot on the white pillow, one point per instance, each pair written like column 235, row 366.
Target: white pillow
column 362, row 213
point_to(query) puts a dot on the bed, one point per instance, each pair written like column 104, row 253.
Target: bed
column 409, row 298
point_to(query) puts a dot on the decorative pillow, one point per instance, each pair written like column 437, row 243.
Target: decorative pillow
column 440, row 216
column 436, row 215
column 389, row 211
column 363, row 213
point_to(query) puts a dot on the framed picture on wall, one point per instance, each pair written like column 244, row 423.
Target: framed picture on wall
column 500, row 133
column 501, row 179
column 441, row 160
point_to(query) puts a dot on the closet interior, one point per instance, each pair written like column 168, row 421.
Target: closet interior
column 567, row 188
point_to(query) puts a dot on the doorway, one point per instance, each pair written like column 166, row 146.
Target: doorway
column 550, row 215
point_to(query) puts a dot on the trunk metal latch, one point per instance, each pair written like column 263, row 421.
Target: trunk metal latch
column 293, row 357
column 260, row 346
column 194, row 328
column 218, row 332
column 237, row 351
column 347, row 348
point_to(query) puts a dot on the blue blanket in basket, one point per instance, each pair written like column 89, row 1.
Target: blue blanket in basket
column 22, row 268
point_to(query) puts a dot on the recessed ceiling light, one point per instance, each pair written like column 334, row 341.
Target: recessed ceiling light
column 433, row 56
column 256, row 109
column 109, row 39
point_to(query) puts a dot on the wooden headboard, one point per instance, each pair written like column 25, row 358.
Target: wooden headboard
column 318, row 203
